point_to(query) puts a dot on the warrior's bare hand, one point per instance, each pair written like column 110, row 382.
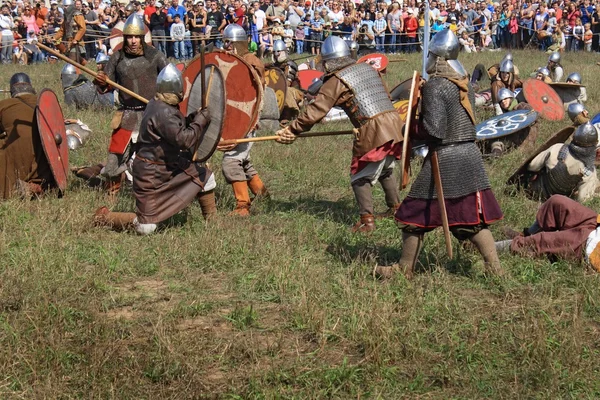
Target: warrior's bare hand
column 101, row 78
column 285, row 136
column 226, row 147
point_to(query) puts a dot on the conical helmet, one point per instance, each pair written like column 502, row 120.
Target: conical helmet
column 586, row 135
column 234, row 33
column 574, row 110
column 445, row 45
column 507, row 66
column 170, row 80
column 134, row 26
column 334, row 47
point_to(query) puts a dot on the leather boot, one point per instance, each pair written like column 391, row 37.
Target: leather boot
column 484, row 241
column 366, row 224
column 240, row 190
column 112, row 185
column 28, row 190
column 390, row 188
column 208, row 204
column 90, row 174
column 257, row 187
column 118, row 221
column 411, row 247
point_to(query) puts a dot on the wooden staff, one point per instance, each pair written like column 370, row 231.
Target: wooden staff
column 405, row 160
column 435, row 167
column 275, row 137
column 203, row 75
column 92, row 73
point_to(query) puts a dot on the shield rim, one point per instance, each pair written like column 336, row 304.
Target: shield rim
column 195, row 64
column 62, row 180
column 596, row 119
column 303, row 86
column 285, row 87
column 505, row 115
column 216, row 70
column 552, row 96
column 397, row 87
column 559, row 137
column 384, row 60
column 116, row 34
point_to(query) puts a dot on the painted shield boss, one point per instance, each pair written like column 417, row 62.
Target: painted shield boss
column 375, row 60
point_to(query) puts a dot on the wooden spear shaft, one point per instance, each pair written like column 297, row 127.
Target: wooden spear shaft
column 92, row 73
column 274, row 137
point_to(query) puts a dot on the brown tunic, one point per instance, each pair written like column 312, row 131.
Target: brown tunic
column 565, row 224
column 165, row 180
column 21, row 153
column 258, row 66
column 78, row 20
column 497, row 84
column 375, row 132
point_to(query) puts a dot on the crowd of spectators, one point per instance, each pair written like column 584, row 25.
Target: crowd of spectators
column 382, row 26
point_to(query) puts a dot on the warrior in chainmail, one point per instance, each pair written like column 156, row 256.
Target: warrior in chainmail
column 135, row 67
column 525, row 137
column 578, row 114
column 165, row 179
column 82, row 93
column 448, row 123
column 293, row 96
column 359, row 90
column 556, row 70
column 71, row 31
column 236, row 166
column 567, row 169
column 506, row 78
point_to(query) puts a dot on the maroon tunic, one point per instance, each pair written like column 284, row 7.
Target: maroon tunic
column 566, row 225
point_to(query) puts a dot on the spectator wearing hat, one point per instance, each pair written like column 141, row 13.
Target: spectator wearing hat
column 316, row 33
column 299, row 36
column 197, row 20
column 277, row 30
column 288, row 35
column 411, row 25
column 157, row 28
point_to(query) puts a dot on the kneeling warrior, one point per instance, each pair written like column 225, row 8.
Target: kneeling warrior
column 165, row 179
column 448, row 120
column 359, row 90
column 567, row 169
column 293, row 97
column 556, row 70
column 506, row 78
column 80, row 92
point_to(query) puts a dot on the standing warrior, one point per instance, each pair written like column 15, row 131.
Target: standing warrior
column 24, row 169
column 72, row 30
column 165, row 179
column 567, row 169
column 293, row 97
column 237, row 167
column 506, row 78
column 359, row 90
column 448, row 120
column 556, row 70
column 135, row 66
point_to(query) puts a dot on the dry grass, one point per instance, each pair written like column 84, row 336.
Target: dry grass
column 281, row 305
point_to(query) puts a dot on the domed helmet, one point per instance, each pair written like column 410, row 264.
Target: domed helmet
column 507, row 66
column 334, row 47
column 554, row 57
column 505, row 93
column 445, row 45
column 353, row 49
column 129, row 8
column 234, row 33
column 69, row 75
column 586, row 135
column 170, row 80
column 134, row 26
column 574, row 77
column 20, row 83
column 279, row 45
column 574, row 110
column 544, row 71
column 279, row 51
column 73, row 142
column 508, row 56
column 102, row 58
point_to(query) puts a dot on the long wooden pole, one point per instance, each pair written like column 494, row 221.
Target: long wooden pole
column 435, row 167
column 275, row 137
column 92, row 73
column 405, row 159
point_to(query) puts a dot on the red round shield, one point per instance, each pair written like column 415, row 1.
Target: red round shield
column 375, row 60
column 307, row 76
column 543, row 99
column 243, row 88
column 53, row 134
column 116, row 36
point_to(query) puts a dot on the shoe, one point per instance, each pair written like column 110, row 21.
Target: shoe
column 101, row 216
column 389, row 213
column 366, row 224
column 240, row 212
column 510, row 233
column 388, row 272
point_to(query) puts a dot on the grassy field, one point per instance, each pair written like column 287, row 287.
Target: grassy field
column 282, row 304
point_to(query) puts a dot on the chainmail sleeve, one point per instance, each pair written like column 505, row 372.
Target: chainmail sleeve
column 433, row 114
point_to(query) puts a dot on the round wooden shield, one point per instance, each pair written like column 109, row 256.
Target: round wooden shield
column 215, row 102
column 116, row 36
column 375, row 60
column 559, row 137
column 505, row 124
column 242, row 86
column 401, row 91
column 306, row 77
column 543, row 99
column 568, row 92
column 50, row 124
column 275, row 79
column 402, row 107
column 596, row 119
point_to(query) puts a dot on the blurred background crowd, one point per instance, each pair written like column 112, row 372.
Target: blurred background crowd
column 377, row 26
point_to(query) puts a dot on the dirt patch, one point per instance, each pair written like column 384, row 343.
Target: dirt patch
column 126, row 313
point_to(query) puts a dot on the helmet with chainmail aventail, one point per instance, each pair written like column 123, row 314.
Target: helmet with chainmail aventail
column 586, row 135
